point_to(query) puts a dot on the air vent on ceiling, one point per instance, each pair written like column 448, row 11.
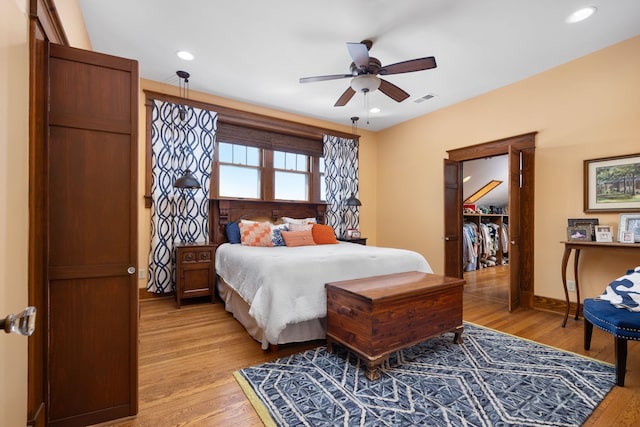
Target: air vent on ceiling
column 425, row 98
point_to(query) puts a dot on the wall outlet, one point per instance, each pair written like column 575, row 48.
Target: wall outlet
column 571, row 285
column 142, row 274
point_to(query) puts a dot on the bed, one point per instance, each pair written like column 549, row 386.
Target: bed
column 277, row 293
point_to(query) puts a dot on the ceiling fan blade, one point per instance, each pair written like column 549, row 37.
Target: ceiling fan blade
column 360, row 54
column 392, row 91
column 323, row 78
column 409, row 66
column 345, row 97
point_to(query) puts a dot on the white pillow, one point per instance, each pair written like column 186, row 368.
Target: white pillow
column 299, row 227
column 288, row 220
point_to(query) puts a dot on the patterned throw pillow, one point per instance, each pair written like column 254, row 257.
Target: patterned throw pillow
column 255, row 233
column 323, row 234
column 276, row 234
column 298, row 238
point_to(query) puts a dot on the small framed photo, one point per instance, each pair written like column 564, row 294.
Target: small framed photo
column 603, row 233
column 352, row 233
column 584, row 222
column 630, row 223
column 626, row 237
column 579, row 233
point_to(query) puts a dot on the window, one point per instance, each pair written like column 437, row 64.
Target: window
column 240, row 170
column 291, row 176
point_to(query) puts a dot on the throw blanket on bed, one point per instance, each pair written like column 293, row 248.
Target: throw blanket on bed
column 285, row 285
column 624, row 292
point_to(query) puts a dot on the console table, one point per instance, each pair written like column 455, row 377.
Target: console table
column 578, row 246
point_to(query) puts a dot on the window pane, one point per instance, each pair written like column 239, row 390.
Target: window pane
column 239, row 154
column 321, row 165
column 225, row 152
column 290, row 186
column 239, row 182
column 253, row 156
column 278, row 160
column 323, row 189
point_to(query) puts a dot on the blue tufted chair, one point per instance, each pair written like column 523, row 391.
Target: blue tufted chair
column 622, row 323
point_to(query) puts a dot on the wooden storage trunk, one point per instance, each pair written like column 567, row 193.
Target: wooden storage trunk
column 376, row 316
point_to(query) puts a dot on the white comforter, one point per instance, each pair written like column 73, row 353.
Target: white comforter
column 285, row 285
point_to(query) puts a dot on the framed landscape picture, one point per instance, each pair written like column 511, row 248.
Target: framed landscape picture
column 612, row 184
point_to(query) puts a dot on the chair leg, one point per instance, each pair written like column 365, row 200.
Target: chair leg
column 588, row 331
column 621, row 360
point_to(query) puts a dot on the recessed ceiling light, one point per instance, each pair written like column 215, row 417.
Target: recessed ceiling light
column 374, row 110
column 581, row 14
column 183, row 54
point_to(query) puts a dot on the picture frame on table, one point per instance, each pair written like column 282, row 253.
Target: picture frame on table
column 352, row 233
column 584, row 222
column 604, row 233
column 609, row 184
column 627, row 237
column 579, row 233
column 629, row 223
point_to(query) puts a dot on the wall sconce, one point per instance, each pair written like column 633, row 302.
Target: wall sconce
column 23, row 323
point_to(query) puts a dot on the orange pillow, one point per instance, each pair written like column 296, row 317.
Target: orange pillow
column 298, row 238
column 323, row 234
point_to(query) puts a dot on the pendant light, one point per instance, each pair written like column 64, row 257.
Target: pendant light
column 187, row 180
column 353, row 200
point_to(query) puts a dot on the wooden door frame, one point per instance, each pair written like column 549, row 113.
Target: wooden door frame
column 525, row 143
column 45, row 27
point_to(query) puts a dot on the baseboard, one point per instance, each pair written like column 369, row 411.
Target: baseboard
column 554, row 305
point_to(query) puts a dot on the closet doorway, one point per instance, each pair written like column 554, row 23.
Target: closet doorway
column 485, row 236
column 520, row 152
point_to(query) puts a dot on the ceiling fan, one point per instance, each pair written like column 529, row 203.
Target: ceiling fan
column 365, row 70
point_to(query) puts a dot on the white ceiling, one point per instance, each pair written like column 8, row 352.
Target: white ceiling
column 255, row 51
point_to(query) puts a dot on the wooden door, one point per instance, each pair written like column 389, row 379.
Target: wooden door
column 515, row 186
column 452, row 219
column 91, row 230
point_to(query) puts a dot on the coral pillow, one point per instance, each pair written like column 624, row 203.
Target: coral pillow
column 323, row 234
column 255, row 233
column 298, row 238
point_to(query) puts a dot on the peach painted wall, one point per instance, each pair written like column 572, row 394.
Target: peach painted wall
column 588, row 108
column 14, row 204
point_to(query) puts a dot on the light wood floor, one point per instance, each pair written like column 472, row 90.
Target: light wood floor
column 187, row 357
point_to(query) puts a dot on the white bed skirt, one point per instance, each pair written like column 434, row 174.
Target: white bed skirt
column 314, row 329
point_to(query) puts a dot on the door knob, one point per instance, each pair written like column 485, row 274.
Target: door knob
column 131, row 270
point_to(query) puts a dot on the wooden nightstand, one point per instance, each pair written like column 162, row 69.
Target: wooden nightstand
column 358, row 240
column 195, row 271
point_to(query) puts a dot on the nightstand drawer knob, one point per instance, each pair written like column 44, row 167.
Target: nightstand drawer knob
column 345, row 311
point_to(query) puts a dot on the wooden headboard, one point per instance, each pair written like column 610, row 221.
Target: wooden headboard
column 223, row 211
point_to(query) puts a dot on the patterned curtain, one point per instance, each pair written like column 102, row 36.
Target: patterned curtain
column 341, row 177
column 178, row 142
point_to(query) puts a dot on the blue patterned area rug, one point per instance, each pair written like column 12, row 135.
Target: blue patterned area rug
column 492, row 379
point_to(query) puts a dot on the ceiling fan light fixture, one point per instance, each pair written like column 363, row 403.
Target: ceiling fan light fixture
column 365, row 83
